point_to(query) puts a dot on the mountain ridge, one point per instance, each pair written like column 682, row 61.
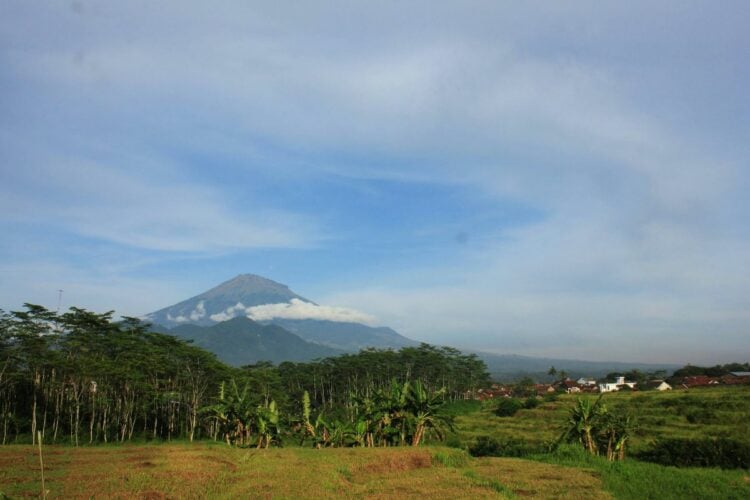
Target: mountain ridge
column 242, row 341
column 246, row 290
column 234, row 298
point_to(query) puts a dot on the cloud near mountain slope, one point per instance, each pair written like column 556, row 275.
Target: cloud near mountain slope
column 294, row 309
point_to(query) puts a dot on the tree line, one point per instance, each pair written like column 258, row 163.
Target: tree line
column 80, row 377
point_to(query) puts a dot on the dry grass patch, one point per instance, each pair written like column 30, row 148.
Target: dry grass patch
column 203, row 470
column 538, row 480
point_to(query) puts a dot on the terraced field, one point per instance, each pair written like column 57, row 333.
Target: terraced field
column 694, row 413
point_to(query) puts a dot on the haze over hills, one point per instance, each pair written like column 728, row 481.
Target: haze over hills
column 251, row 318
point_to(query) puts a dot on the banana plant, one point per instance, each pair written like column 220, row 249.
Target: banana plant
column 268, row 424
column 616, row 430
column 583, row 419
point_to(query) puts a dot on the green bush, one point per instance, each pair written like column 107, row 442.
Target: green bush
column 723, row 452
column 551, row 398
column 531, row 403
column 487, row 446
column 701, row 416
column 508, row 407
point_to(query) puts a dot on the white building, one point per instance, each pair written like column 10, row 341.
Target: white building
column 616, row 385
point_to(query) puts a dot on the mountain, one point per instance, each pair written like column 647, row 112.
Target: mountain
column 350, row 337
column 245, row 290
column 240, row 298
column 290, row 327
column 242, row 341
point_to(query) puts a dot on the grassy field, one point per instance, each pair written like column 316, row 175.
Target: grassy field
column 715, row 412
column 217, row 471
column 203, row 470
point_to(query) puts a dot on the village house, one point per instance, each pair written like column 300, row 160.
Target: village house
column 659, row 385
column 698, row 381
column 543, row 389
column 494, row 392
column 736, row 378
column 618, row 384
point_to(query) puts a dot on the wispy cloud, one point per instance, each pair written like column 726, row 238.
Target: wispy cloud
column 108, row 203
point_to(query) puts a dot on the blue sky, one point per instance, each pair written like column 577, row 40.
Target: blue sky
column 549, row 179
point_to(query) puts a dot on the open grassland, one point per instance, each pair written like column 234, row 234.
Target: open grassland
column 208, row 469
column 203, row 470
column 695, row 413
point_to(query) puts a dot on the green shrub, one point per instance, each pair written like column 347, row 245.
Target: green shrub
column 723, row 452
column 487, row 446
column 701, row 416
column 453, row 440
column 551, row 398
column 508, row 407
column 462, row 407
column 531, row 403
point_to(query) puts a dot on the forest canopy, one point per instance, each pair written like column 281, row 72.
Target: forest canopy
column 81, row 377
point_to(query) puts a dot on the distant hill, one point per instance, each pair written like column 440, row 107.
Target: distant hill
column 218, row 321
column 242, row 341
column 508, row 367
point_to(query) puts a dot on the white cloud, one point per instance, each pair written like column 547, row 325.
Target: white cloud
column 294, row 309
column 195, row 315
column 228, row 313
column 199, row 312
column 298, row 309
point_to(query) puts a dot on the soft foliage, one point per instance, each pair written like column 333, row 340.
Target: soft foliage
column 80, row 377
column 722, row 452
column 598, row 429
column 507, row 407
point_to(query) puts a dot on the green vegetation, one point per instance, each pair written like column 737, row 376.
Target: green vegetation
column 636, row 480
column 202, row 470
column 81, row 378
column 711, row 371
column 598, row 429
column 660, row 415
column 721, row 452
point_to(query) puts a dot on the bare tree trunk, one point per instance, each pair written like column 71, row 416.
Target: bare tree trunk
column 33, row 420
